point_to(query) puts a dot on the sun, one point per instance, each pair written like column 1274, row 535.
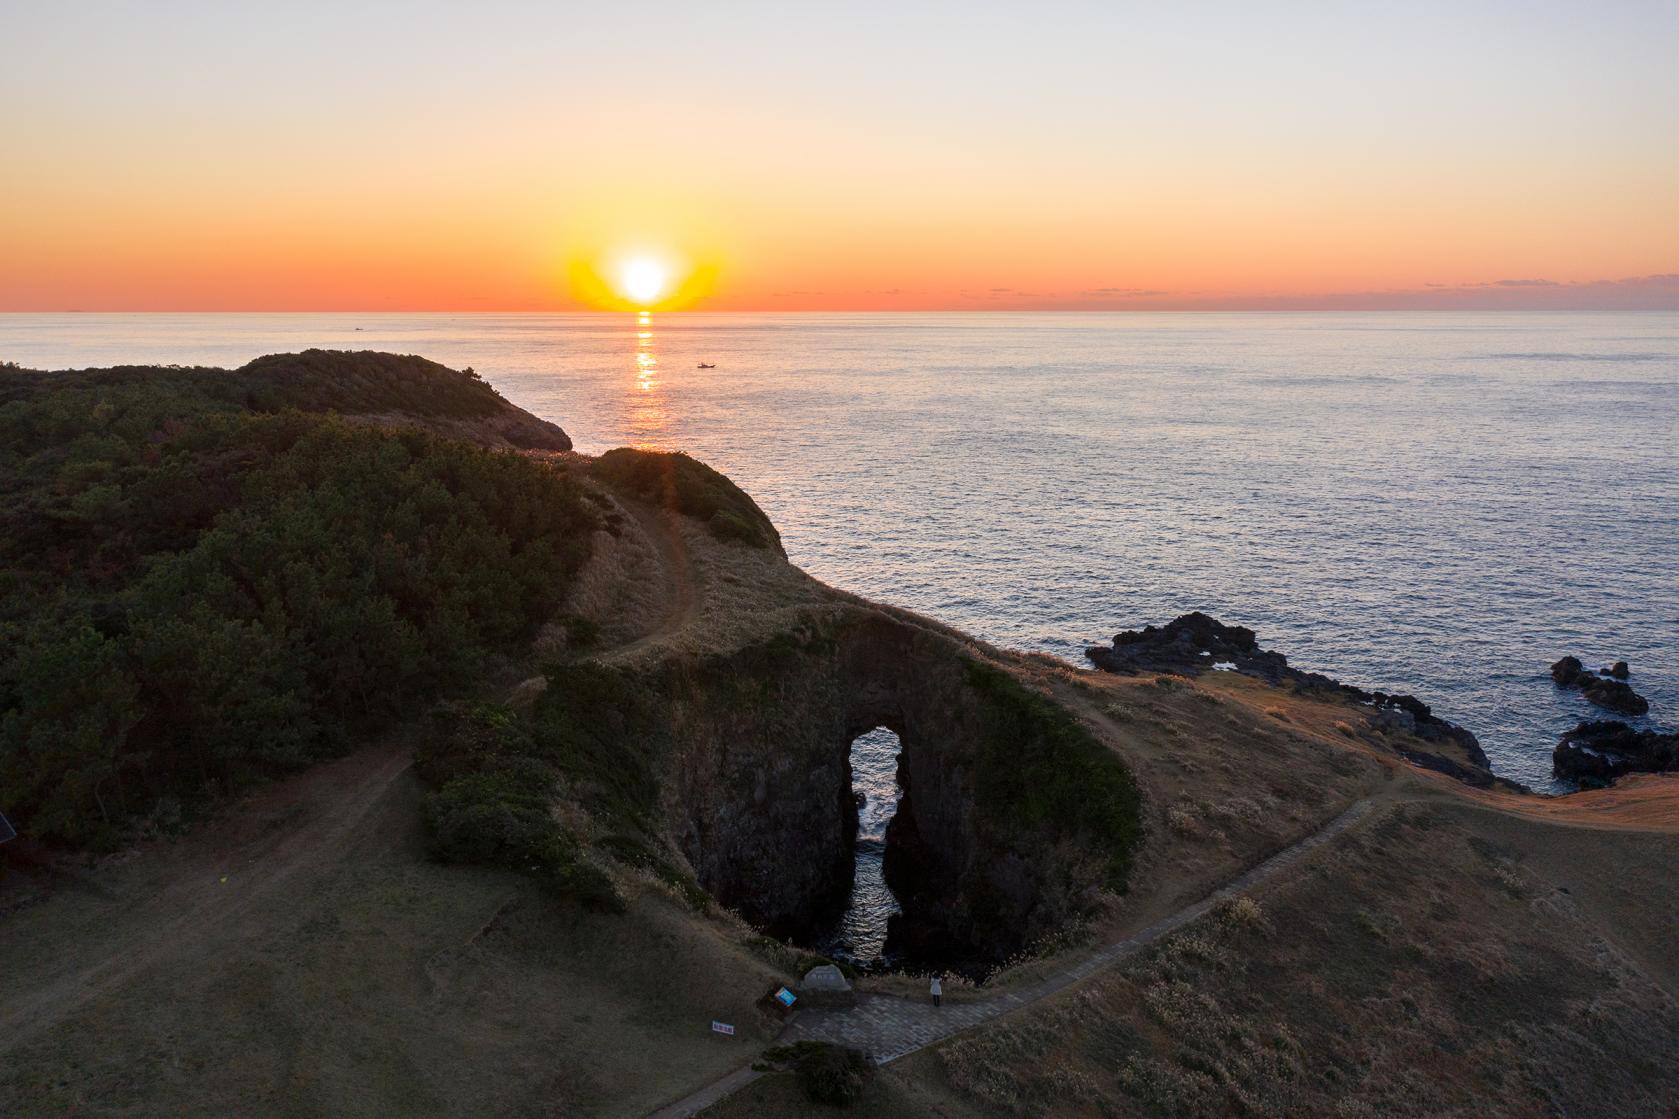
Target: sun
column 643, row 280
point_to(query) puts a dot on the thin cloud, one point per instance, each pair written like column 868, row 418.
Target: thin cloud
column 1657, row 292
column 1124, row 293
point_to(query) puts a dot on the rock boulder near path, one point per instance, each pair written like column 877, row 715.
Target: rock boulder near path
column 826, row 986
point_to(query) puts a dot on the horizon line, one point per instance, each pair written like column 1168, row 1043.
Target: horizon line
column 1286, row 310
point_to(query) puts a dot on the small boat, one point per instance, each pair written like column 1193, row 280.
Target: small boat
column 704, row 365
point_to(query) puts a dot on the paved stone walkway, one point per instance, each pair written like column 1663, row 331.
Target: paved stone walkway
column 888, row 1027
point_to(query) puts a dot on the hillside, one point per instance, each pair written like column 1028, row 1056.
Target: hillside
column 387, row 389
column 212, row 577
column 470, row 782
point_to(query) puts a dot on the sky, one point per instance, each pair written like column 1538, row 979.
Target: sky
column 856, row 156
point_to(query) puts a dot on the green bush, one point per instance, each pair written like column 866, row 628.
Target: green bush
column 469, row 737
column 832, row 1074
column 503, row 816
column 602, row 726
column 683, row 484
column 498, row 772
column 1039, row 769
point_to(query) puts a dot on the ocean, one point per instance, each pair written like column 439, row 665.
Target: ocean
column 1440, row 504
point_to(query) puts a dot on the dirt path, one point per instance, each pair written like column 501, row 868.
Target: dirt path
column 185, row 899
column 663, row 530
column 888, row 1027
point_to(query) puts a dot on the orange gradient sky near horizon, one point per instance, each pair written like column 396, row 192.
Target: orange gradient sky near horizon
column 197, row 156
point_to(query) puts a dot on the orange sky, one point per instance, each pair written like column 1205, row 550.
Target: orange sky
column 377, row 156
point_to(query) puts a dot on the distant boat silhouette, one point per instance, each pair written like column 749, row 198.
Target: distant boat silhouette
column 703, row 365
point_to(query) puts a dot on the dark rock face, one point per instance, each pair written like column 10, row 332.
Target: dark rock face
column 760, row 797
column 1605, row 689
column 1595, row 753
column 1187, row 645
column 1612, row 695
column 1566, row 671
column 1195, row 643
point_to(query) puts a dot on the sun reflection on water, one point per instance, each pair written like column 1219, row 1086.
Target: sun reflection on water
column 648, row 418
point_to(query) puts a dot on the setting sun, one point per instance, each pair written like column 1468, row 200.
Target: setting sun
column 643, row 280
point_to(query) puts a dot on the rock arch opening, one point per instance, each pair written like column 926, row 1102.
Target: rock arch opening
column 1010, row 818
column 860, row 935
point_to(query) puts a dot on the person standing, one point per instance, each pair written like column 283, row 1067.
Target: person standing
column 937, row 988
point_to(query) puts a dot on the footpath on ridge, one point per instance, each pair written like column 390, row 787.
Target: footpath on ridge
column 888, row 1027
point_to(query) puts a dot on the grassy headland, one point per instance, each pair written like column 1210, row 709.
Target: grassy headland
column 487, row 748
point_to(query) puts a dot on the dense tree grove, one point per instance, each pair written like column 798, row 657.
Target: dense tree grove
column 194, row 595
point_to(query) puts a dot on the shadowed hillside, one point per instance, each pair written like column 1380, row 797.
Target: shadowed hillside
column 211, row 577
column 390, row 389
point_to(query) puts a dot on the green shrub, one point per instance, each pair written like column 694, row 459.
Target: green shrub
column 469, row 737
column 832, row 1074
column 503, row 816
column 580, row 632
column 1039, row 769
column 683, row 484
column 499, row 773
column 600, row 726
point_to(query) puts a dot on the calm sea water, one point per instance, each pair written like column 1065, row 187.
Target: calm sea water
column 860, row 935
column 1434, row 503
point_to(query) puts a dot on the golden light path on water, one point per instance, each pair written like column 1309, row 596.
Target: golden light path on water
column 648, row 418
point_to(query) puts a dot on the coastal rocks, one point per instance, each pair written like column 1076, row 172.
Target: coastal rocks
column 1605, row 688
column 1612, row 695
column 1188, row 645
column 1196, row 643
column 1595, row 753
column 1566, row 671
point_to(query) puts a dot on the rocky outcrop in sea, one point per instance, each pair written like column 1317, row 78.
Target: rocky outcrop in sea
column 1595, row 753
column 1195, row 643
column 1606, row 687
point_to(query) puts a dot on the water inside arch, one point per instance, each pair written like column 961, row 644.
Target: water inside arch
column 859, row 936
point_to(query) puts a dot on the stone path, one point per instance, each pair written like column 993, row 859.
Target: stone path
column 887, row 1027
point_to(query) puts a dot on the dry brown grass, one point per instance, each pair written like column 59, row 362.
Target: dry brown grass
column 337, row 971
column 1442, row 961
column 1225, row 784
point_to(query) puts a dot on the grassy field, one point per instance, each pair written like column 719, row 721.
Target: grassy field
column 302, row 955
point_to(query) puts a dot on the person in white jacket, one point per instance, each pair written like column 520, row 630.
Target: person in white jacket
column 937, row 989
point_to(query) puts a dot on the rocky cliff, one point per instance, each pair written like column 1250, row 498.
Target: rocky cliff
column 1013, row 819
